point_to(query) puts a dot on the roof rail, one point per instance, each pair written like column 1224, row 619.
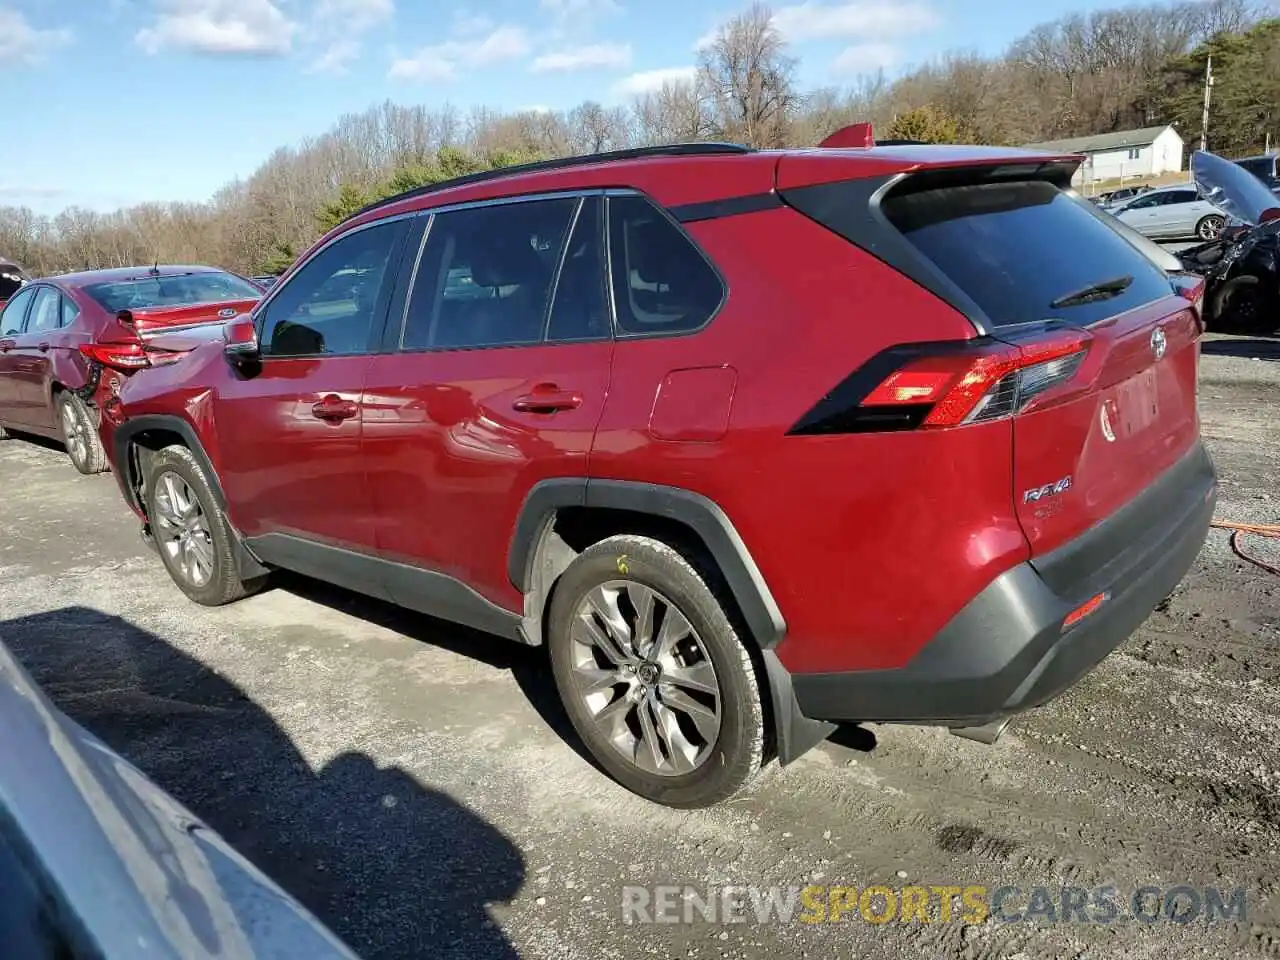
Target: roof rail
column 634, row 153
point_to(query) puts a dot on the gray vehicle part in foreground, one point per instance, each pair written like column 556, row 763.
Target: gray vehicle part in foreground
column 98, row 861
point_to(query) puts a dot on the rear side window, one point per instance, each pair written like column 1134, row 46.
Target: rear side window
column 662, row 284
column 46, row 313
column 486, row 275
column 1020, row 250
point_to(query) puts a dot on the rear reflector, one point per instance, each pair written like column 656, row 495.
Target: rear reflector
column 120, row 356
column 1082, row 611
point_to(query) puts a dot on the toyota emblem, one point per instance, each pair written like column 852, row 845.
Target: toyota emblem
column 1158, row 342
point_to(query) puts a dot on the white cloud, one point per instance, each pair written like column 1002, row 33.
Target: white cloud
column 225, row 27
column 865, row 58
column 336, row 57
column 470, row 24
column 650, row 81
column 442, row 61
column 21, row 43
column 354, row 15
column 578, row 8
column 865, row 20
column 600, row 55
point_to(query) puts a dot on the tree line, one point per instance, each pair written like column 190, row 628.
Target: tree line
column 1085, row 73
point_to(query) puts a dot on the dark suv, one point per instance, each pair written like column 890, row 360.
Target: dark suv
column 752, row 442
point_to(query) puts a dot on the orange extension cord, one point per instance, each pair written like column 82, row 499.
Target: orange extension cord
column 1258, row 529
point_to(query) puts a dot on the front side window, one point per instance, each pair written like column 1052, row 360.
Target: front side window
column 662, row 284
column 486, row 275
column 174, row 290
column 46, row 312
column 14, row 311
column 329, row 306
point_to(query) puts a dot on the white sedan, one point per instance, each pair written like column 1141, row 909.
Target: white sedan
column 1169, row 213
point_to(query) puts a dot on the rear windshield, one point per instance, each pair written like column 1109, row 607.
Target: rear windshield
column 182, row 290
column 1018, row 249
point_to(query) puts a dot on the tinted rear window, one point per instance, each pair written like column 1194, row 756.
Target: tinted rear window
column 1017, row 248
column 182, row 290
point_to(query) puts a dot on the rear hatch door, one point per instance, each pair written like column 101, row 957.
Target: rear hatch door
column 1036, row 259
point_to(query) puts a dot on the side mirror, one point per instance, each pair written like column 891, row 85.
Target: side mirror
column 240, row 340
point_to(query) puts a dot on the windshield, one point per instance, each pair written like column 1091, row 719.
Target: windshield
column 182, row 290
column 1231, row 187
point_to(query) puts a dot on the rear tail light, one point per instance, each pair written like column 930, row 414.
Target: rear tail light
column 964, row 388
column 950, row 384
column 118, row 356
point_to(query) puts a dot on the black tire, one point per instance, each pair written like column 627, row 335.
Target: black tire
column 80, row 434
column 1210, row 227
column 737, row 752
column 223, row 584
column 1246, row 305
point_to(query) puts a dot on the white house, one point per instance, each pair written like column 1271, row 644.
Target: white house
column 1123, row 154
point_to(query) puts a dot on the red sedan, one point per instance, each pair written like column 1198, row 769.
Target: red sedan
column 67, row 343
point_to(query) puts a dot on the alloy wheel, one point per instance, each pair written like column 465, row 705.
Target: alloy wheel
column 182, row 530
column 645, row 677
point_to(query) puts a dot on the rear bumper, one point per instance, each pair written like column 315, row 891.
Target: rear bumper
column 1006, row 650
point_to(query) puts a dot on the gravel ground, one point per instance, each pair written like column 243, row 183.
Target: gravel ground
column 414, row 783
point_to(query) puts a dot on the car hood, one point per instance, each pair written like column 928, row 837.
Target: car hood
column 1233, row 189
column 143, row 875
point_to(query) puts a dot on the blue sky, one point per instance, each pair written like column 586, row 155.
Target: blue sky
column 126, row 101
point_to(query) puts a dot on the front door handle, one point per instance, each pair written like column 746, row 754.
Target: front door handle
column 333, row 409
column 7, row 345
column 42, row 347
column 547, row 398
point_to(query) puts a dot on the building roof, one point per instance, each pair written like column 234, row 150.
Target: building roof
column 1118, row 140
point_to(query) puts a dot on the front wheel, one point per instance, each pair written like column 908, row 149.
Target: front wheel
column 80, row 435
column 191, row 531
column 1210, row 227
column 653, row 675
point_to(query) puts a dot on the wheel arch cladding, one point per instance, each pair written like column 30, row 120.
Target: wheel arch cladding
column 151, row 432
column 537, row 558
column 697, row 514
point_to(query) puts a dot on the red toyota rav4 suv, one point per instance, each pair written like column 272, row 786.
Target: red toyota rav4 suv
column 752, row 442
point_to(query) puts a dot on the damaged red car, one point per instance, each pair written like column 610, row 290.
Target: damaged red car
column 68, row 342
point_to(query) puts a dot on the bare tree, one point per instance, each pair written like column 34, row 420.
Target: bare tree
column 750, row 79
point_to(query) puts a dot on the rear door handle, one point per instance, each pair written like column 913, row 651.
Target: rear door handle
column 42, row 347
column 334, row 409
column 547, row 398
column 7, row 345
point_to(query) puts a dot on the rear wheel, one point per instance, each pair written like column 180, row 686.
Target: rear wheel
column 1210, row 227
column 1247, row 305
column 80, row 434
column 653, row 674
column 191, row 532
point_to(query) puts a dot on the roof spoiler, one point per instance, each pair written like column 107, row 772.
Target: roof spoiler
column 861, row 136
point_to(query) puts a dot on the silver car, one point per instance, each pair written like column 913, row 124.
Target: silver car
column 1169, row 213
column 97, row 861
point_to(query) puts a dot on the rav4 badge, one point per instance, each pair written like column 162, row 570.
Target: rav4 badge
column 1048, row 490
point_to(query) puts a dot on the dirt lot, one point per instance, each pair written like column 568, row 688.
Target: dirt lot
column 415, row 786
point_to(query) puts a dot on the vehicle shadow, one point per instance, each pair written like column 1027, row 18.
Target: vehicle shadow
column 528, row 666
column 1246, row 348
column 394, row 868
